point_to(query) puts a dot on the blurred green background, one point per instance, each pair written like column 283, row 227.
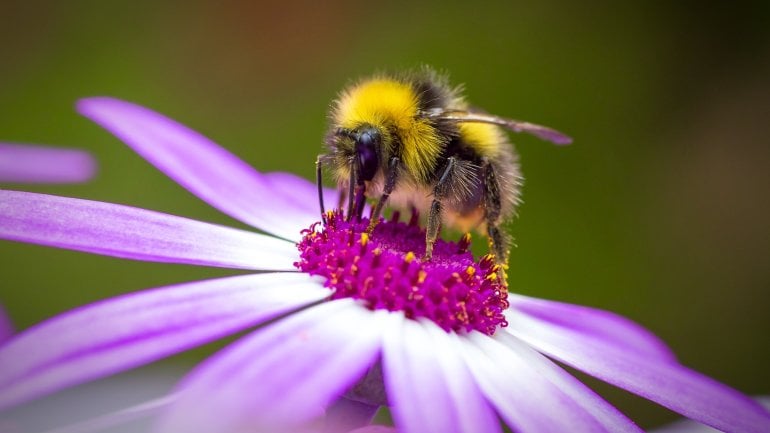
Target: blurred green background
column 659, row 211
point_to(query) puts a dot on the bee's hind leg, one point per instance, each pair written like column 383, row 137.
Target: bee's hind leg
column 499, row 241
column 434, row 215
column 391, row 177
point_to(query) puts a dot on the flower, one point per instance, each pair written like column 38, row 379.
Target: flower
column 368, row 315
column 688, row 426
column 25, row 163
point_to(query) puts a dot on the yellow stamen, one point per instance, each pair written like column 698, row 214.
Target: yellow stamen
column 421, row 276
column 409, row 257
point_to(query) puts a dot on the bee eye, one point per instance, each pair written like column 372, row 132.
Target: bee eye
column 367, row 143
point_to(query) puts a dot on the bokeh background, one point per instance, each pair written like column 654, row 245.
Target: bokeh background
column 659, row 211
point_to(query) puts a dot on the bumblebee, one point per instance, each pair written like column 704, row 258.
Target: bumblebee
column 412, row 141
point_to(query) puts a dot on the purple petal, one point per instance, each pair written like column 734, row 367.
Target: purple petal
column 124, row 332
column 594, row 324
column 23, row 163
column 347, row 413
column 202, row 167
column 428, row 385
column 689, row 426
column 138, row 234
column 116, row 419
column 611, row 419
column 282, row 375
column 375, row 429
column 6, row 329
column 530, row 395
column 673, row 386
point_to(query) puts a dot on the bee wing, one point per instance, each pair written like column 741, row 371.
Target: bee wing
column 540, row 131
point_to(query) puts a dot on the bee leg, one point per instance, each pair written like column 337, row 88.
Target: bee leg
column 434, row 215
column 360, row 201
column 499, row 241
column 431, row 231
column 351, row 192
column 319, row 183
column 390, row 183
column 343, row 194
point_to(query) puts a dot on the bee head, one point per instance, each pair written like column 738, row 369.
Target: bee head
column 360, row 146
column 367, row 144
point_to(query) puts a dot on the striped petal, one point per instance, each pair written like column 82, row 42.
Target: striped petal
column 611, row 419
column 128, row 331
column 601, row 326
column 428, row 385
column 689, row 426
column 137, row 234
column 280, row 376
column 25, row 163
column 201, row 166
column 671, row 385
column 529, row 400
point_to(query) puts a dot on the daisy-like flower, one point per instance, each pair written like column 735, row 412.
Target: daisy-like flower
column 26, row 163
column 441, row 343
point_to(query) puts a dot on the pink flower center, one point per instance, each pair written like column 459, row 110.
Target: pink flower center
column 384, row 271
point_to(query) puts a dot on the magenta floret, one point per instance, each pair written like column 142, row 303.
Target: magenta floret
column 384, row 270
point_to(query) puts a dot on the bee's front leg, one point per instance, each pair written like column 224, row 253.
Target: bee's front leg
column 391, row 177
column 319, row 183
column 352, row 181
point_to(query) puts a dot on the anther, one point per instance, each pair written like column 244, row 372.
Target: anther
column 464, row 243
column 329, row 217
column 421, row 275
column 409, row 257
column 368, row 283
column 377, row 252
column 487, row 261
